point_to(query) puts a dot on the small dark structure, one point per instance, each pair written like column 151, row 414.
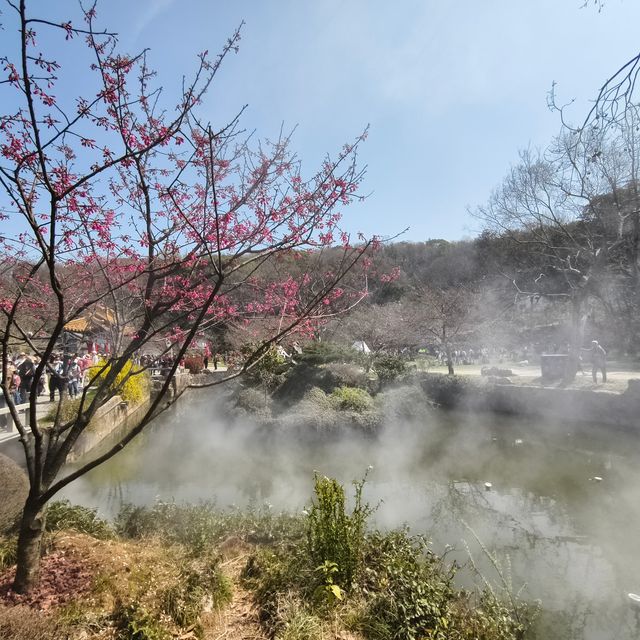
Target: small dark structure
column 553, row 366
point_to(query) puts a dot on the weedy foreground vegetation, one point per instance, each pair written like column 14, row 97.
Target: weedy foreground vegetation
column 174, row 571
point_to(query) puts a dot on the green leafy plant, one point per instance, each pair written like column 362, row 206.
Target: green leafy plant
column 200, row 527
column 383, row 586
column 324, row 352
column 347, row 374
column 274, row 574
column 448, row 391
column 8, row 552
column 389, row 368
column 410, row 591
column 296, row 621
column 184, row 600
column 352, row 399
column 333, row 535
column 63, row 515
column 268, row 367
column 254, row 401
column 328, row 591
column 66, row 411
column 133, row 622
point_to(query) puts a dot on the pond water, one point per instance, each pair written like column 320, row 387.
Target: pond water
column 562, row 515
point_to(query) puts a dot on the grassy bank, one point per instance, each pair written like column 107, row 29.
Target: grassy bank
column 194, row 571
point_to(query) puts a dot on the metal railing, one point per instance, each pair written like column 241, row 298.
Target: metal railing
column 7, row 425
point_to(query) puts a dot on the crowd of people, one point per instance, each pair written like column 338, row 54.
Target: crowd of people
column 63, row 374
column 595, row 356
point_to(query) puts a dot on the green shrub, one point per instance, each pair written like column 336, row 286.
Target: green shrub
column 272, row 573
column 184, row 601
column 131, row 383
column 352, row 399
column 301, row 379
column 66, row 410
column 404, row 403
column 448, row 391
column 347, row 374
column 296, row 622
column 318, row 399
column 316, row 353
column 314, row 413
column 334, row 537
column 133, row 622
column 199, row 528
column 8, row 552
column 491, row 619
column 389, row 368
column 268, row 370
column 254, row 401
column 411, row 590
column 63, row 515
column 384, row 586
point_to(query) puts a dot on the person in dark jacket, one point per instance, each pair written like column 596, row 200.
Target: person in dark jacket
column 26, row 370
column 598, row 358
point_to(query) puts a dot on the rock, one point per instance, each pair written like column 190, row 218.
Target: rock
column 633, row 387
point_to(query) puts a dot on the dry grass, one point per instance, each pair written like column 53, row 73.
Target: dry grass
column 240, row 620
column 92, row 586
column 23, row 623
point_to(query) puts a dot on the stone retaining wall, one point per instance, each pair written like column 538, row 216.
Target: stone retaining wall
column 113, row 415
column 620, row 410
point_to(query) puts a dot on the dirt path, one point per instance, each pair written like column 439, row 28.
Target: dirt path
column 239, row 620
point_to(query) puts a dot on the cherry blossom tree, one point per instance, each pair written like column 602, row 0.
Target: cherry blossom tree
column 122, row 197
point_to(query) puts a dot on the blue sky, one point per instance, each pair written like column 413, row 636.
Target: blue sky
column 451, row 88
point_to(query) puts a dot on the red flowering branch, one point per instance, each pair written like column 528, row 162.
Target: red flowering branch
column 121, row 203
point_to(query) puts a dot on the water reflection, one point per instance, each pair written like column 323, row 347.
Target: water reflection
column 569, row 540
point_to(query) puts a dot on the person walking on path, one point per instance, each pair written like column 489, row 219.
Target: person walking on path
column 598, row 360
column 55, row 378
column 26, row 370
column 14, row 386
column 74, row 375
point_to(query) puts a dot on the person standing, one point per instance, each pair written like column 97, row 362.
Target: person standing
column 598, row 360
column 55, row 378
column 26, row 371
column 73, row 374
column 14, row 386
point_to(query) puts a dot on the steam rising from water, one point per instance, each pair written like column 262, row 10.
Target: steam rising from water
column 571, row 540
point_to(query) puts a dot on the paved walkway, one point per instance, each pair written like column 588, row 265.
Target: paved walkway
column 618, row 375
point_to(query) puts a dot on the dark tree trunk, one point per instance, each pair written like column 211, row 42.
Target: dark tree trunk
column 447, row 350
column 29, row 546
column 577, row 336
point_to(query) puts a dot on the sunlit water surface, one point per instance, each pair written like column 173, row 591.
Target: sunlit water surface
column 572, row 541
